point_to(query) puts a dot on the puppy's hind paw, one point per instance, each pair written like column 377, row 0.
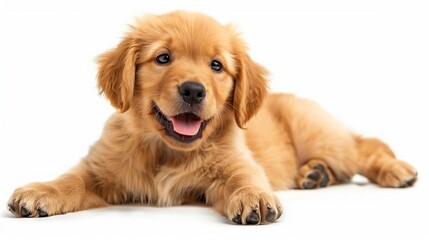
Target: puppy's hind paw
column 397, row 174
column 314, row 174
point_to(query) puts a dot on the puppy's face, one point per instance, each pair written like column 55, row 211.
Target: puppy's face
column 182, row 75
column 185, row 75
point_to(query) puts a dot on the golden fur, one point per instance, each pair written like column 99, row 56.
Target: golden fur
column 253, row 142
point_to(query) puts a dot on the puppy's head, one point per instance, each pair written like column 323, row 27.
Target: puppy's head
column 183, row 76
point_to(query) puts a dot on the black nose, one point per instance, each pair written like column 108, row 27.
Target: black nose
column 192, row 93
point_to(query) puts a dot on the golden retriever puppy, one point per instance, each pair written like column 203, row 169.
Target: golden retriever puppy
column 195, row 122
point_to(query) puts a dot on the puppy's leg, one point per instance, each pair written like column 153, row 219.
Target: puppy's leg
column 242, row 193
column 378, row 163
column 314, row 174
column 317, row 135
column 325, row 149
column 68, row 193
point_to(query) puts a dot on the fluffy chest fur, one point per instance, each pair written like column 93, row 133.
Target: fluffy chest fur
column 138, row 167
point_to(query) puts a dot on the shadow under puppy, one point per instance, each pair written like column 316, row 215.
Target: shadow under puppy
column 195, row 121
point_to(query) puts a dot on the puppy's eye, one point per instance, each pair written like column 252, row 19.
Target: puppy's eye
column 163, row 58
column 216, row 65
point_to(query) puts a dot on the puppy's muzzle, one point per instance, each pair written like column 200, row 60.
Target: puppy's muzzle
column 192, row 93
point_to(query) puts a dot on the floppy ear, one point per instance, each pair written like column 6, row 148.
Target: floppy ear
column 250, row 89
column 116, row 74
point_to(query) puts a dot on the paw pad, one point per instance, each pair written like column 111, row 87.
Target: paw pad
column 314, row 174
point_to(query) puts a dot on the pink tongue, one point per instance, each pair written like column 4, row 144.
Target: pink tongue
column 187, row 127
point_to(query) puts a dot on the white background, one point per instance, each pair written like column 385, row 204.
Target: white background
column 366, row 62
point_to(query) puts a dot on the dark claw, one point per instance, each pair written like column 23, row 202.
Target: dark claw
column 314, row 175
column 411, row 182
column 12, row 208
column 253, row 217
column 42, row 213
column 271, row 214
column 309, row 185
column 25, row 212
column 237, row 219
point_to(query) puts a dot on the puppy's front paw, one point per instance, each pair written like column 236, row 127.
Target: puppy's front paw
column 35, row 200
column 397, row 174
column 249, row 206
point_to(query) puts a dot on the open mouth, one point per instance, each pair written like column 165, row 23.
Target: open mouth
column 184, row 127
